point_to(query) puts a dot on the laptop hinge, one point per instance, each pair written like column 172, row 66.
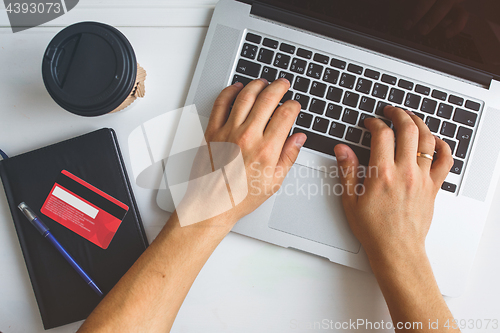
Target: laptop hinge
column 375, row 44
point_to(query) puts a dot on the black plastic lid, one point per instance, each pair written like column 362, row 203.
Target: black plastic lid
column 89, row 68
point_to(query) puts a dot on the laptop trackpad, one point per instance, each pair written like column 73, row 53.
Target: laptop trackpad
column 309, row 205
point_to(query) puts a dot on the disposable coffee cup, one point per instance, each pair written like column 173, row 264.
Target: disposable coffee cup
column 90, row 69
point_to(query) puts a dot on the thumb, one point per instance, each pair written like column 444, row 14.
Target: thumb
column 348, row 164
column 289, row 154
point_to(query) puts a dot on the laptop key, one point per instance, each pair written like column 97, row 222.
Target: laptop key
column 249, row 51
column 318, row 89
column 325, row 145
column 334, row 94
column 288, row 76
column 448, row 129
column 266, row 56
column 464, row 137
column 347, row 80
column 282, row 61
column 323, row 59
column 298, row 66
column 472, row 106
column 331, row 76
column 355, row 69
column 457, row 167
column 303, row 100
column 367, row 104
column 420, row 115
column 270, row 43
column 364, row 86
column 334, row 111
column 396, row 96
column 380, row 90
column 337, row 130
column 304, row 120
column 450, row 143
column 353, row 135
column 367, row 139
column 288, row 96
column 412, row 101
column 242, row 79
column 433, row 124
column 315, row 71
column 445, row 111
column 338, row 63
column 439, row 95
column 449, row 187
column 380, row 108
column 350, row 116
column 429, row 106
column 362, row 119
column 405, row 84
column 456, row 100
column 248, row 68
column 269, row 74
column 321, row 124
column 253, row 38
column 287, row 48
column 302, row 84
column 423, row 90
column 351, row 99
column 304, row 53
column 372, row 74
column 389, row 79
column 465, row 117
column 317, row 106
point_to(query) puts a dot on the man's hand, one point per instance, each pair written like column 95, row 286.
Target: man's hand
column 395, row 212
column 267, row 150
column 149, row 295
column 392, row 217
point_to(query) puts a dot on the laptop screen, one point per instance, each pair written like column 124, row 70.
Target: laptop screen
column 466, row 32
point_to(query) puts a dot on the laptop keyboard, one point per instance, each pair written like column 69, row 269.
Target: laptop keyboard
column 336, row 96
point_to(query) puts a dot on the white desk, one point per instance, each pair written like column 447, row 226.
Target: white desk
column 247, row 285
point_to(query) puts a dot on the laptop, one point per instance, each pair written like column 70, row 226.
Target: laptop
column 346, row 60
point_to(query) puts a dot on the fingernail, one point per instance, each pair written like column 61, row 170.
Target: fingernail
column 299, row 142
column 264, row 80
column 410, row 113
column 342, row 156
column 284, row 80
column 238, row 84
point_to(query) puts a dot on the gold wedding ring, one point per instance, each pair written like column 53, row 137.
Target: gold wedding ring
column 427, row 156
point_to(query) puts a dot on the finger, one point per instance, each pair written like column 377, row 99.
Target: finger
column 288, row 156
column 406, row 134
column 443, row 161
column 220, row 111
column 245, row 101
column 460, row 17
column 282, row 121
column 348, row 163
column 435, row 15
column 382, row 142
column 426, row 142
column 266, row 104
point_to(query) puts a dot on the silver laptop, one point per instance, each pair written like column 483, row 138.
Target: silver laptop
column 346, row 60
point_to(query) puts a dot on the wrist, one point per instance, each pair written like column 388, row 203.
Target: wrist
column 401, row 260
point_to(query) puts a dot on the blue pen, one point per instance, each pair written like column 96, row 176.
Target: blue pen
column 42, row 228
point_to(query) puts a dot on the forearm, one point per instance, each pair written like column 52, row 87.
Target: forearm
column 411, row 292
column 150, row 294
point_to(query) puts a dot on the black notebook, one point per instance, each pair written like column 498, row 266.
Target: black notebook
column 63, row 296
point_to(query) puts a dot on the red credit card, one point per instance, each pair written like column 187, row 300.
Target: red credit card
column 84, row 209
